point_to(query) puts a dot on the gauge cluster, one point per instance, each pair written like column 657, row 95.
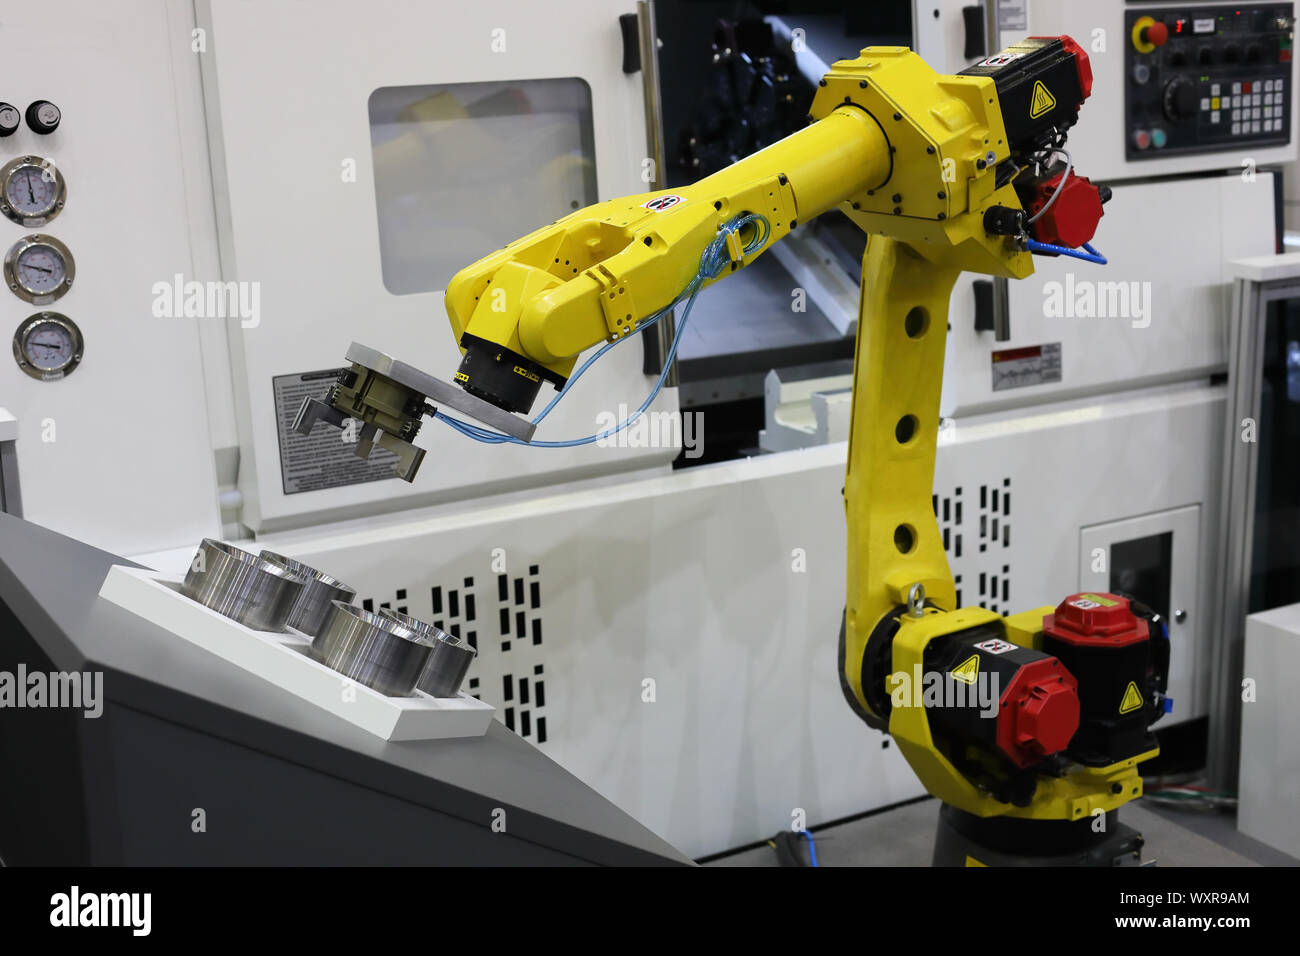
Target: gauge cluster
column 38, row 268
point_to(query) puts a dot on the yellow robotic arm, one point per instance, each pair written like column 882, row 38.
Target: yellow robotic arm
column 906, row 152
column 945, row 174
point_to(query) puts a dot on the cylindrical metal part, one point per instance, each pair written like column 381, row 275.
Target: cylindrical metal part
column 371, row 649
column 313, row 609
column 242, row 586
column 449, row 656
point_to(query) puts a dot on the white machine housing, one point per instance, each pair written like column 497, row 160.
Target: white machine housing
column 682, row 627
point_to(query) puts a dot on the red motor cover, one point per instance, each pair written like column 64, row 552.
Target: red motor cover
column 1039, row 712
column 1103, row 618
column 1072, row 220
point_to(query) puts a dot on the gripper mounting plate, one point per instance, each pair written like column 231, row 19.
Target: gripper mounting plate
column 390, row 417
column 441, row 393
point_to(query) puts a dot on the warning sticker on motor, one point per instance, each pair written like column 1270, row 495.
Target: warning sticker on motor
column 967, row 670
column 1132, row 699
column 995, row 646
column 1034, row 365
column 1042, row 102
column 325, row 458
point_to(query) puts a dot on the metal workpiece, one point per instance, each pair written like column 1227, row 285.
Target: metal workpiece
column 449, row 656
column 242, row 586
column 446, row 667
column 426, row 631
column 372, row 649
column 313, row 609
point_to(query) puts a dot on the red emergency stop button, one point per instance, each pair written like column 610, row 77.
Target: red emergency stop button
column 1148, row 33
column 1157, row 34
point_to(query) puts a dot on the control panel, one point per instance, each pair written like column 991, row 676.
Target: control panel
column 1207, row 78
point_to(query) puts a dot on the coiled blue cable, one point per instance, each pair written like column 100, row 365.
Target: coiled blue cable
column 713, row 262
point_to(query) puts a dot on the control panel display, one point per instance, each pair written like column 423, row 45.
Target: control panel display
column 1206, row 78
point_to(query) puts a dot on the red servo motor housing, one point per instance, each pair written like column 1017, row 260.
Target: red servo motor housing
column 1070, row 221
column 1108, row 649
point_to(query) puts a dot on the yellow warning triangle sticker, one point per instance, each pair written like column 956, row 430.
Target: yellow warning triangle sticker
column 967, row 670
column 1132, row 699
column 1042, row 101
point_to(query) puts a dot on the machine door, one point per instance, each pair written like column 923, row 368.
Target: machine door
column 363, row 154
column 1157, row 559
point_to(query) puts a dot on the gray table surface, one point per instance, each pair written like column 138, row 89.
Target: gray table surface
column 51, row 583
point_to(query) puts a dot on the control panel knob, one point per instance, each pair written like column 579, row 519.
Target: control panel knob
column 43, row 117
column 1205, row 56
column 1254, row 53
column 1157, row 34
column 10, row 119
column 1232, row 53
column 1180, row 100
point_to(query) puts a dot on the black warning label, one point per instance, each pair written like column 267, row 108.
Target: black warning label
column 326, row 458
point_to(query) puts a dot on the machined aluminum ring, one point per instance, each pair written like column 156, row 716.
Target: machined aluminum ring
column 449, row 657
column 242, row 586
column 371, row 649
column 313, row 609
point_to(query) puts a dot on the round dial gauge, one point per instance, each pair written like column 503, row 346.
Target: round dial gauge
column 47, row 346
column 32, row 191
column 39, row 269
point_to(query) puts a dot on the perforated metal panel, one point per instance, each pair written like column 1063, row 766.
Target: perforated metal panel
column 977, row 537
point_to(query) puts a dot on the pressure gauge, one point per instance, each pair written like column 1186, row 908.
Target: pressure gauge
column 32, row 190
column 47, row 346
column 39, row 269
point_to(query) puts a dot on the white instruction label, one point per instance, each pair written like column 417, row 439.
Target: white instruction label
column 1032, row 365
column 995, row 646
column 1012, row 15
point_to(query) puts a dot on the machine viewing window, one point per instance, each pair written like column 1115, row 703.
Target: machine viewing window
column 463, row 168
column 1142, row 567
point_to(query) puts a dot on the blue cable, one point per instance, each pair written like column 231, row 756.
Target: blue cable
column 812, row 848
column 1089, row 255
column 713, row 261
